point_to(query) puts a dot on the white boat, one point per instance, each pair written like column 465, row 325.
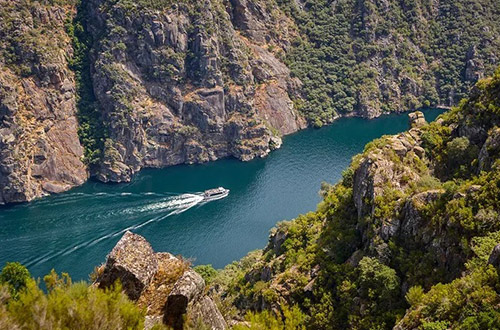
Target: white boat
column 216, row 193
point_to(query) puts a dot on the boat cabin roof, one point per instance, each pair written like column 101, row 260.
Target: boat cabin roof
column 215, row 190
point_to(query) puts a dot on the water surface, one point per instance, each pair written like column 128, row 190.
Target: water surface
column 74, row 231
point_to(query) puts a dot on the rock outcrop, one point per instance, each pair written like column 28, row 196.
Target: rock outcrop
column 175, row 87
column 133, row 262
column 413, row 224
column 170, row 291
column 40, row 152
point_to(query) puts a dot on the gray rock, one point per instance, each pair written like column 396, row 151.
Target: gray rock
column 188, row 289
column 490, row 150
column 133, row 262
column 276, row 239
column 494, row 258
column 205, row 312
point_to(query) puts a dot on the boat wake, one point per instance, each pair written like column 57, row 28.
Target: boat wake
column 151, row 206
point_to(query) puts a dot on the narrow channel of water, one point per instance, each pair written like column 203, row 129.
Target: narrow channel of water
column 73, row 231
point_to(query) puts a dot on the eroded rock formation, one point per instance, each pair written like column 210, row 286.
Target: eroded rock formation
column 182, row 88
column 170, row 291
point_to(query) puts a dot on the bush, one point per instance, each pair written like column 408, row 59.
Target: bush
column 66, row 305
column 15, row 276
column 207, row 272
column 414, row 295
column 293, row 319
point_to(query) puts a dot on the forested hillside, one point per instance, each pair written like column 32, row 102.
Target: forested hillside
column 104, row 88
column 368, row 57
column 410, row 238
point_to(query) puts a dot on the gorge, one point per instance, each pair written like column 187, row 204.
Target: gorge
column 105, row 88
column 116, row 115
column 86, row 222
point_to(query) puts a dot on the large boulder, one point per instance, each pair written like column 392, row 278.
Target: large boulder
column 133, row 262
column 187, row 289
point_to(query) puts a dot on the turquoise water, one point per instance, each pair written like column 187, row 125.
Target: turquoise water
column 74, row 231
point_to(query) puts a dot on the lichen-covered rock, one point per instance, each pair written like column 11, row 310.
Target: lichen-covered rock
column 205, row 312
column 133, row 262
column 187, row 289
column 163, row 285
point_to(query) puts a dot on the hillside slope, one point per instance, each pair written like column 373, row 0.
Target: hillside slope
column 409, row 239
column 159, row 83
column 406, row 240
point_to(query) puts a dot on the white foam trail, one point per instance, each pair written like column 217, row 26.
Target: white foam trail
column 168, row 203
column 176, row 205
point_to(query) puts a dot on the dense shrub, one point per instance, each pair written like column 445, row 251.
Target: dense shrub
column 15, row 276
column 65, row 305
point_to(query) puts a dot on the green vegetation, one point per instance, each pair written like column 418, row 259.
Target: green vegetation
column 207, row 272
column 91, row 130
column 66, row 305
column 29, row 51
column 15, row 276
column 350, row 55
column 293, row 319
column 343, row 269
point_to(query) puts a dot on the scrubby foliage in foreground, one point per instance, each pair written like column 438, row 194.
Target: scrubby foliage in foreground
column 403, row 240
column 65, row 305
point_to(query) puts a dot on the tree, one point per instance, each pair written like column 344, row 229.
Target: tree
column 16, row 276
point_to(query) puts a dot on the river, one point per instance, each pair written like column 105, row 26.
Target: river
column 72, row 232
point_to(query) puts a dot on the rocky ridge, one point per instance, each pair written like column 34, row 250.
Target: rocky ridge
column 413, row 225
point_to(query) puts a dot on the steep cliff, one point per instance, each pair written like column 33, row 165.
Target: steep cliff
column 178, row 84
column 159, row 83
column 40, row 152
column 406, row 238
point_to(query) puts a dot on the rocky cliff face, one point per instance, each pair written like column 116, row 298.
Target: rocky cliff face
column 181, row 85
column 173, row 83
column 171, row 292
column 40, row 152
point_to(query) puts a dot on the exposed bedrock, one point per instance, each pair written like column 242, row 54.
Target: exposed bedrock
column 169, row 290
